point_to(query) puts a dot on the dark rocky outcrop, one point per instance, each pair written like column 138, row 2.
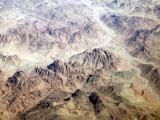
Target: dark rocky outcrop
column 96, row 101
column 58, row 67
column 94, row 98
column 15, row 79
column 76, row 93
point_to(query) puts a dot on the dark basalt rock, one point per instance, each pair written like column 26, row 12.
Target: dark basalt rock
column 15, row 79
column 76, row 93
column 57, row 67
column 94, row 98
column 96, row 101
column 67, row 99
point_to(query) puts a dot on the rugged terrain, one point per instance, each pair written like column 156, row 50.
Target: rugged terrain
column 80, row 60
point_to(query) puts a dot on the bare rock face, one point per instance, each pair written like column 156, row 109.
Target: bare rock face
column 23, row 87
column 16, row 79
column 58, row 67
column 44, row 73
column 140, row 33
column 80, row 66
column 46, row 33
column 22, row 90
column 145, row 43
column 79, row 60
column 103, row 103
column 97, row 59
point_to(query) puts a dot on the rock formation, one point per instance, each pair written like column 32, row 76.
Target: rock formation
column 79, row 60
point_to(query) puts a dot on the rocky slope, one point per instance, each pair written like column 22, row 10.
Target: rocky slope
column 79, row 60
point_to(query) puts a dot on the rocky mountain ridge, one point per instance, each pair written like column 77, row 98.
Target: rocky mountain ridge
column 79, row 59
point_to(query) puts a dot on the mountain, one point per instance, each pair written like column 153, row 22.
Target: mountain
column 79, row 60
